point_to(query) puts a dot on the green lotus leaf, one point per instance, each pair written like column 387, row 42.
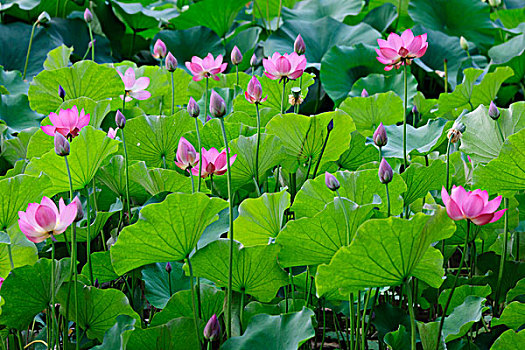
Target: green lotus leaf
column 102, row 269
column 509, row 340
column 256, row 270
column 160, row 285
column 23, row 251
column 357, row 186
column 513, row 316
column 117, row 336
column 178, row 334
column 421, row 179
column 463, row 317
column 97, row 308
column 261, row 219
column 166, row 231
column 315, row 240
column 402, row 250
column 157, row 180
column 460, row 294
column 379, row 83
column 358, row 153
column 58, row 58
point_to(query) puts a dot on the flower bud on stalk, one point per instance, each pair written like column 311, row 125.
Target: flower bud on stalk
column 88, row 16
column 253, row 60
column 212, row 330
column 364, row 93
column 217, row 105
column 331, row 181
column 380, row 138
column 455, row 133
column 463, row 43
column 193, row 108
column 493, row 111
column 120, row 119
column 61, row 93
column 385, row 172
column 299, row 46
column 236, row 56
column 159, row 49
column 168, row 267
column 171, row 63
column 61, row 145
column 43, row 18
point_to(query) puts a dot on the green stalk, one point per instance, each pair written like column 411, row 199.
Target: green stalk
column 405, row 119
column 324, row 326
column 29, row 48
column 192, row 182
column 442, row 321
column 237, row 73
column 448, row 163
column 503, row 255
column 92, row 43
column 500, row 132
column 257, row 146
column 282, row 97
column 195, row 314
column 352, row 322
column 127, row 175
column 321, row 154
column 199, row 136
column 387, row 201
column 88, row 241
column 380, row 155
column 52, row 308
column 446, row 75
column 173, row 94
column 230, row 265
column 346, row 218
column 10, row 253
column 243, row 295
column 358, row 318
column 412, row 316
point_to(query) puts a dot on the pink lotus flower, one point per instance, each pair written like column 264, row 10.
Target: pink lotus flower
column 474, row 205
column 206, row 67
column 398, row 50
column 159, row 49
column 68, row 122
column 253, row 93
column 135, row 88
column 186, row 155
column 289, row 66
column 213, row 162
column 112, row 133
column 44, row 220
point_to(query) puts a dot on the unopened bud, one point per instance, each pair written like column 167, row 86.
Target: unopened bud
column 96, row 284
column 493, row 111
column 171, row 63
column 159, row 49
column 299, row 46
column 212, row 330
column 380, row 138
column 494, row 3
column 331, row 181
column 61, row 93
column 364, row 93
column 43, row 18
column 385, row 172
column 217, row 105
column 88, row 16
column 61, row 145
column 463, row 43
column 193, row 108
column 330, row 126
column 120, row 119
column 168, row 267
column 253, row 60
column 80, row 210
column 236, row 56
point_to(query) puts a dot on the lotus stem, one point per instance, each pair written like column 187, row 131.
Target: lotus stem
column 346, row 218
column 352, row 321
column 324, row 325
column 52, row 309
column 92, row 42
column 230, row 265
column 29, row 49
column 195, row 313
column 237, row 73
column 500, row 132
column 127, row 175
column 448, row 164
column 282, row 97
column 241, row 314
column 387, row 201
column 192, row 182
column 412, row 316
column 199, row 136
column 257, row 147
column 446, row 74
column 88, row 242
column 503, row 255
column 405, row 159
column 321, row 154
column 442, row 321
column 173, row 94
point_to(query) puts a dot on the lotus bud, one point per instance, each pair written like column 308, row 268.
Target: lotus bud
column 96, row 284
column 91, row 43
column 463, row 43
column 330, row 126
column 43, row 18
column 217, row 105
column 61, row 145
column 331, row 182
column 493, row 111
column 364, row 93
column 212, row 330
column 120, row 120
column 168, row 267
column 414, row 110
column 236, row 56
column 171, row 63
column 193, row 108
column 80, row 210
column 494, row 3
column 385, row 172
column 61, row 93
column 159, row 49
column 253, row 60
column 298, row 46
column 295, row 98
column 88, row 16
column 380, row 138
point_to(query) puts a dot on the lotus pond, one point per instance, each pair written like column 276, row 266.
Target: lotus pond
column 259, row 175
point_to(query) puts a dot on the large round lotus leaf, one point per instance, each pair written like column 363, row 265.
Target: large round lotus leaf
column 218, row 18
column 310, row 10
column 138, row 17
column 468, row 18
column 83, row 79
column 285, row 332
column 23, row 251
column 35, row 280
column 256, row 271
column 97, row 308
column 403, row 249
column 88, row 151
column 160, row 285
column 166, row 231
column 378, row 83
column 319, row 36
column 184, row 44
column 509, row 340
column 342, row 66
